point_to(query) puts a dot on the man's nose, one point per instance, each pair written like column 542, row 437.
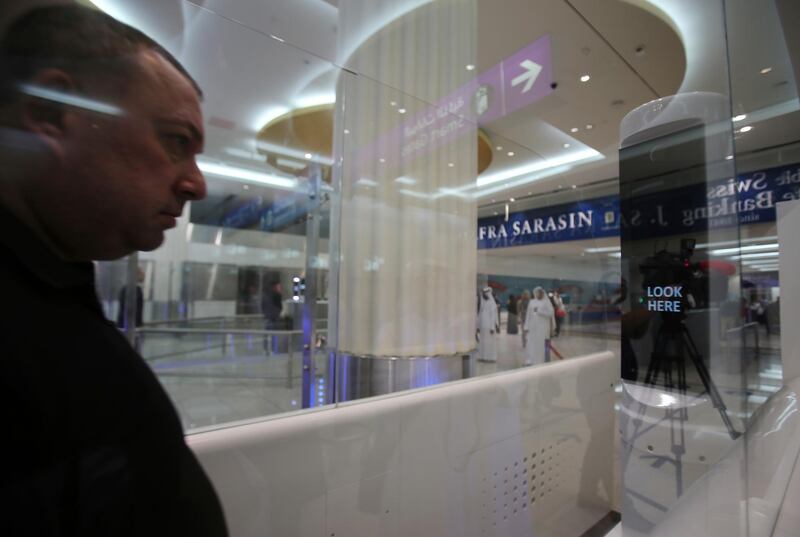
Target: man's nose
column 192, row 185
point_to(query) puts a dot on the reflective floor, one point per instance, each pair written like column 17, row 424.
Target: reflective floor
column 216, row 379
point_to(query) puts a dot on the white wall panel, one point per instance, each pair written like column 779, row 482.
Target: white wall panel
column 460, row 459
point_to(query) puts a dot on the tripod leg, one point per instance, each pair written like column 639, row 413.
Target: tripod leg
column 708, row 383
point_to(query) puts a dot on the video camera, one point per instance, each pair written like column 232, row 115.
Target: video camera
column 674, row 275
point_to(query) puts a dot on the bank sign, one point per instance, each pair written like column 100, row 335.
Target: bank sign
column 748, row 199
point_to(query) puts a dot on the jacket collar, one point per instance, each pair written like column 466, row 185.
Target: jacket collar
column 22, row 243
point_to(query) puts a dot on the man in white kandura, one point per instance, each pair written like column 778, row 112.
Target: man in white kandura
column 538, row 323
column 488, row 327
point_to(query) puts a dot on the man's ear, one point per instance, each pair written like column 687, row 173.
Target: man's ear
column 43, row 111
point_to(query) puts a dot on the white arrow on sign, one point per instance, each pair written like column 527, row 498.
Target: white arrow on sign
column 532, row 70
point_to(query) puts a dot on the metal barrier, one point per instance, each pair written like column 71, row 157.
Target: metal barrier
column 226, row 332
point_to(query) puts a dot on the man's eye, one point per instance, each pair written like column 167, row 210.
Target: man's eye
column 178, row 144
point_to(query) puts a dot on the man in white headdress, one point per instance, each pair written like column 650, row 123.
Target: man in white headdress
column 488, row 327
column 538, row 323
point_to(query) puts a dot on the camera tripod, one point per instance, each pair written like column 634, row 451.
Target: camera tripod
column 673, row 334
column 672, row 344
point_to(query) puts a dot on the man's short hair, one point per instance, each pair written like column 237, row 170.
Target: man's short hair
column 77, row 39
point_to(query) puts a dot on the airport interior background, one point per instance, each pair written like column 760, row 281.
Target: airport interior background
column 374, row 165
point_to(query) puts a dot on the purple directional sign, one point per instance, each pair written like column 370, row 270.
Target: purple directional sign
column 517, row 81
column 527, row 75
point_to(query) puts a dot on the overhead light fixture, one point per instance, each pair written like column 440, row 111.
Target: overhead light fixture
column 365, row 181
column 450, row 164
column 245, row 187
column 71, row 100
column 510, row 153
column 739, row 117
column 381, row 160
column 286, row 163
column 392, row 103
column 289, row 152
column 401, row 110
column 551, row 166
column 601, row 249
column 574, row 129
column 566, row 146
column 276, row 38
column 763, row 255
column 347, row 131
column 223, row 170
column 574, row 186
column 511, row 200
column 749, row 248
column 765, row 70
column 470, row 67
column 405, row 180
column 746, row 128
column 308, row 156
column 589, row 126
column 585, row 78
column 729, row 157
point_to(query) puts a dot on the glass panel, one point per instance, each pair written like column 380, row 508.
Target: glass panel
column 685, row 398
column 224, row 321
column 766, row 109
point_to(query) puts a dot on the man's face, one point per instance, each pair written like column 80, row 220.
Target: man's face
column 126, row 178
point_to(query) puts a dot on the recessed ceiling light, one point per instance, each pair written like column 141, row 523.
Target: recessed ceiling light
column 585, row 78
column 450, row 164
column 766, row 70
column 589, row 127
column 530, row 193
column 574, row 129
column 510, row 153
column 566, row 146
column 496, row 213
column 739, row 117
column 746, row 128
column 401, row 110
column 499, row 147
column 347, row 131
column 574, row 186
column 308, row 155
column 729, row 157
column 511, row 200
column 392, row 103
column 246, row 187
column 470, row 67
column 382, row 160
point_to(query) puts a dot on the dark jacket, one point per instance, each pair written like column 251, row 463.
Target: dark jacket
column 91, row 444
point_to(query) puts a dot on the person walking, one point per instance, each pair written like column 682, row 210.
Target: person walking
column 560, row 311
column 522, row 307
column 538, row 324
column 488, row 327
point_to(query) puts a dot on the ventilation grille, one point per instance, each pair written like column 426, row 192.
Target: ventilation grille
column 512, row 492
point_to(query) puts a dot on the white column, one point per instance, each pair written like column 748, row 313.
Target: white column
column 406, row 233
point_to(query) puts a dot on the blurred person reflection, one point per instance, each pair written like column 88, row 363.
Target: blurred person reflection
column 271, row 307
column 538, row 323
column 513, row 320
column 99, row 128
column 522, row 307
column 560, row 311
column 488, row 327
column 122, row 314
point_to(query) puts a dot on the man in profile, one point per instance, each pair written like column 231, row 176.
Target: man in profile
column 99, row 128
